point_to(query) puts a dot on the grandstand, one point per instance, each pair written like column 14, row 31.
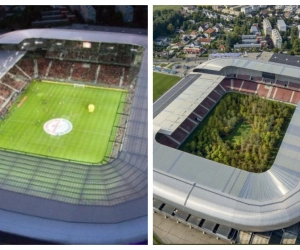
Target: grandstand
column 231, row 204
column 62, row 201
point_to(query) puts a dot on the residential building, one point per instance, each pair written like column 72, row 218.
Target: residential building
column 210, row 32
column 217, row 28
column 254, row 28
column 288, row 14
column 193, row 50
column 204, row 41
column 254, row 7
column 190, row 8
column 244, row 37
column 217, row 7
column 246, row 9
column 267, row 27
column 193, row 34
column 276, row 38
column 249, row 41
column 238, row 46
column 127, row 12
column 231, row 12
column 227, row 17
column 222, row 47
column 281, row 25
column 203, row 27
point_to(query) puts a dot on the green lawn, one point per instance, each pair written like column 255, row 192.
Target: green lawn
column 168, row 7
column 90, row 139
column 241, row 131
column 162, row 83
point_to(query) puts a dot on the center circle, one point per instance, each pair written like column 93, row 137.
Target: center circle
column 58, row 126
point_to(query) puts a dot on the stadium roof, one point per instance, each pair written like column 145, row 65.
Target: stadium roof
column 177, row 111
column 119, row 214
column 257, row 65
column 285, row 59
column 8, row 59
column 16, row 37
column 230, row 196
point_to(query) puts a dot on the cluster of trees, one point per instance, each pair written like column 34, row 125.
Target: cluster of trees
column 253, row 152
column 166, row 21
column 290, row 41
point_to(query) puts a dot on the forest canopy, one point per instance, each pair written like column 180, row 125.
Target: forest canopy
column 242, row 131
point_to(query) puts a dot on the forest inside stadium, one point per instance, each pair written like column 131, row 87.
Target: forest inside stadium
column 242, row 131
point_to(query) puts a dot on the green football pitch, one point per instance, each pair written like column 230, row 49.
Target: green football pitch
column 162, row 83
column 89, row 136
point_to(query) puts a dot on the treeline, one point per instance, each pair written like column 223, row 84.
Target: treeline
column 165, row 22
column 254, row 152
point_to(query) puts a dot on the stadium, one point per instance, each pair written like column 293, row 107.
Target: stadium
column 73, row 135
column 228, row 203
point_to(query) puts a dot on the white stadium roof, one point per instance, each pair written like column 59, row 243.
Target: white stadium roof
column 177, row 111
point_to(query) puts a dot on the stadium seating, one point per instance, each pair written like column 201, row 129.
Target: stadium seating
column 283, row 94
column 237, row 84
column 5, row 91
column 60, row 69
column 27, row 65
column 179, row 135
column 84, row 72
column 249, row 87
column 43, row 65
column 214, row 96
column 294, row 85
column 15, row 83
column 110, row 74
column 188, row 125
column 168, row 142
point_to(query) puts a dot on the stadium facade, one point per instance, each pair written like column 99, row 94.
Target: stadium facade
column 104, row 204
column 218, row 199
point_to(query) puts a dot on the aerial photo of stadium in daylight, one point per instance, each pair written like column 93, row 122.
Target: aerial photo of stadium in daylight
column 226, row 147
column 73, row 134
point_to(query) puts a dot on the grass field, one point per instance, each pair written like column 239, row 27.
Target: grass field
column 90, row 139
column 162, row 83
column 240, row 132
column 168, row 7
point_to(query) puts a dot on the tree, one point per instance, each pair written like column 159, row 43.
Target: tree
column 237, row 30
column 296, row 46
column 170, row 28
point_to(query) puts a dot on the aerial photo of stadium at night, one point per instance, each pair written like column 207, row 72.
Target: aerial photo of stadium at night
column 73, row 136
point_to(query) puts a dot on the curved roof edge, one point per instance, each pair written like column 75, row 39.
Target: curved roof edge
column 226, row 195
column 219, row 64
column 15, row 37
column 132, row 231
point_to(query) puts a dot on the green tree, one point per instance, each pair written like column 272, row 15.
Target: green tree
column 171, row 28
column 296, row 46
